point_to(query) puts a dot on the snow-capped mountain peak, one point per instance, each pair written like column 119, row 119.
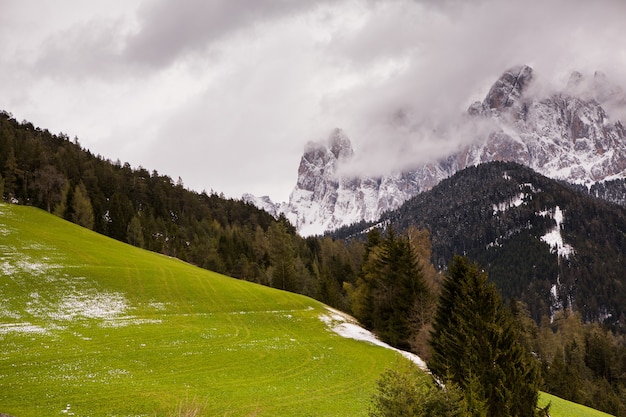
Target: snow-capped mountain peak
column 564, row 134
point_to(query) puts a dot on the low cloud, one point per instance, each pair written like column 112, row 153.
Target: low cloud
column 227, row 93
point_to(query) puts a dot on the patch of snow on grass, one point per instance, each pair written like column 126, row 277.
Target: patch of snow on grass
column 21, row 328
column 17, row 263
column 347, row 327
column 158, row 306
column 92, row 306
column 127, row 321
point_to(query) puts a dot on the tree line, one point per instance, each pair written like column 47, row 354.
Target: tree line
column 152, row 211
column 489, row 358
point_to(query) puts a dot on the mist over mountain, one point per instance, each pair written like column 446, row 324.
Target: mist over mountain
column 564, row 132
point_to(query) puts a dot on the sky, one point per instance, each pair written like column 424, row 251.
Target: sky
column 225, row 94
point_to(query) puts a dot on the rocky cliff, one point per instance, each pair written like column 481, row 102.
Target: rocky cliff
column 563, row 133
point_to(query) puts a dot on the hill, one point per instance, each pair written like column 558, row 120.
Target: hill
column 154, row 212
column 541, row 241
column 562, row 408
column 92, row 326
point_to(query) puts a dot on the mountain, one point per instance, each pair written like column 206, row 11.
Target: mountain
column 563, row 133
column 324, row 200
column 541, row 241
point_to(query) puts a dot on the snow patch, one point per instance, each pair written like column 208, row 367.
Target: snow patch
column 127, row 321
column 516, row 201
column 525, row 194
column 553, row 238
column 25, row 327
column 347, row 326
column 92, row 306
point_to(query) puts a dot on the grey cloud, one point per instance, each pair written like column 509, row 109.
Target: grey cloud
column 170, row 29
column 244, row 84
column 451, row 54
column 163, row 32
column 86, row 50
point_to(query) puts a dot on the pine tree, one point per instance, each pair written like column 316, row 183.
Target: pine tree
column 474, row 336
column 282, row 254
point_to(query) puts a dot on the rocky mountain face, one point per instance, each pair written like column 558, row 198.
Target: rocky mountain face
column 325, row 200
column 564, row 134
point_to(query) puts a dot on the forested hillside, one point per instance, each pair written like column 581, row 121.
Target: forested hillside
column 153, row 211
column 541, row 241
column 554, row 251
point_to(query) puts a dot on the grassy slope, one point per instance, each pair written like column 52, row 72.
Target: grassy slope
column 90, row 326
column 562, row 408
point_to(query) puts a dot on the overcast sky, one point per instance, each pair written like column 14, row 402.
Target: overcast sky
column 226, row 93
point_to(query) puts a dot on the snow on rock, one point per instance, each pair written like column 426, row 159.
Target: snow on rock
column 565, row 134
column 347, row 327
column 325, row 199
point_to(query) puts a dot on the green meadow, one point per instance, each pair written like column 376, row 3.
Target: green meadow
column 93, row 327
column 562, row 408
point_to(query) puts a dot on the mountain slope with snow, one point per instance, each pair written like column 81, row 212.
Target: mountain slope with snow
column 562, row 133
column 542, row 241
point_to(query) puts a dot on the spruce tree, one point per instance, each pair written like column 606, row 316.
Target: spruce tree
column 391, row 283
column 475, row 342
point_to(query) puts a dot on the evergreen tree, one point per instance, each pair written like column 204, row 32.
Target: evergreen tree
column 282, row 256
column 406, row 391
column 360, row 294
column 391, row 284
column 135, row 232
column 11, row 173
column 474, row 336
column 82, row 211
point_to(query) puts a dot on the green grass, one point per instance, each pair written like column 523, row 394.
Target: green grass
column 93, row 327
column 563, row 408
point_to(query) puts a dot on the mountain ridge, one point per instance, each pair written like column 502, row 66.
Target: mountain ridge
column 563, row 133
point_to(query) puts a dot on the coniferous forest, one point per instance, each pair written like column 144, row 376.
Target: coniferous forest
column 155, row 212
column 391, row 279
